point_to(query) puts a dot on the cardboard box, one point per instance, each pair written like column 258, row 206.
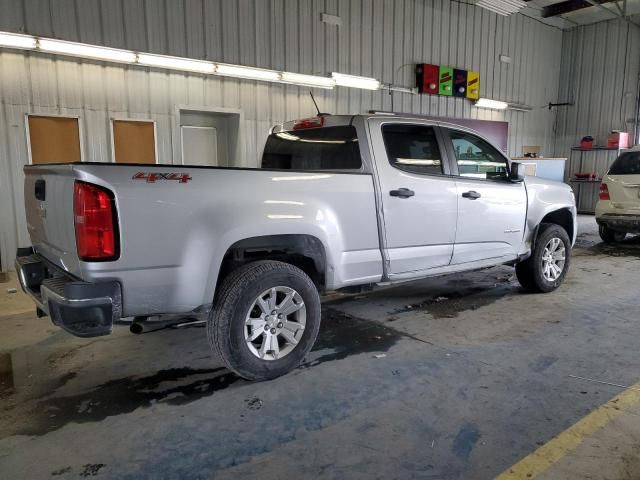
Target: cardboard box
column 618, row 140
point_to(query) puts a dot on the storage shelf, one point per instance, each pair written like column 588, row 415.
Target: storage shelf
column 580, row 149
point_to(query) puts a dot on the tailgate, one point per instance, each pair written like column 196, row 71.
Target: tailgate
column 624, row 191
column 48, row 196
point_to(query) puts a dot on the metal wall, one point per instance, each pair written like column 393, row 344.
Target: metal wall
column 599, row 75
column 378, row 38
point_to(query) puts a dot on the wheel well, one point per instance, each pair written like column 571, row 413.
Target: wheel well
column 303, row 251
column 561, row 217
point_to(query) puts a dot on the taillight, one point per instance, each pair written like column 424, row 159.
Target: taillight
column 604, row 192
column 96, row 224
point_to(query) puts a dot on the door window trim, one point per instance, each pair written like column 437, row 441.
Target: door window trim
column 446, row 135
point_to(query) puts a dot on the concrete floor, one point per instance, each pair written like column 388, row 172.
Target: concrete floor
column 453, row 377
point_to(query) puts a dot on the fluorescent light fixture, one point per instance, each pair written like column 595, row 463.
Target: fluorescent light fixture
column 84, row 50
column 14, row 40
column 308, row 80
column 354, row 81
column 519, row 107
column 412, row 91
column 247, row 72
column 502, row 7
column 176, row 63
column 488, row 103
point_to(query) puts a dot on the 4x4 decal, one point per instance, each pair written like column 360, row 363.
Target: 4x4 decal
column 153, row 177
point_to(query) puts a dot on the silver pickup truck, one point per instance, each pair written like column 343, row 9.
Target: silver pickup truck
column 340, row 201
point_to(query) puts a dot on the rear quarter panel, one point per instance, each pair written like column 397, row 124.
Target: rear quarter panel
column 174, row 235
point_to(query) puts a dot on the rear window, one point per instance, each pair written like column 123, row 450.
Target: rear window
column 626, row 164
column 329, row 148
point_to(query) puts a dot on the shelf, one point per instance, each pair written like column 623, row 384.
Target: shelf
column 579, row 149
column 585, row 181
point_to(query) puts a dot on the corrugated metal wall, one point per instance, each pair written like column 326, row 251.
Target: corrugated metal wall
column 378, row 38
column 599, row 74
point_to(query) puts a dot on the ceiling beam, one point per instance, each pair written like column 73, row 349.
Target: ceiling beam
column 598, row 3
column 567, row 6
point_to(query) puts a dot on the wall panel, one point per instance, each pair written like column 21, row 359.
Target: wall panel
column 379, row 38
column 599, row 75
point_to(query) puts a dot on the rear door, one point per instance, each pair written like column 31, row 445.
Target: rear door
column 491, row 209
column 419, row 205
column 623, row 181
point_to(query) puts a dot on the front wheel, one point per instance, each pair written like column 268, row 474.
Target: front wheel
column 265, row 319
column 610, row 236
column 547, row 267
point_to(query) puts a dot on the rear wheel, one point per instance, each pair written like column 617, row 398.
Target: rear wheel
column 610, row 236
column 547, row 267
column 265, row 319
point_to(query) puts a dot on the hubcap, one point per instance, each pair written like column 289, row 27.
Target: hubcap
column 553, row 259
column 275, row 323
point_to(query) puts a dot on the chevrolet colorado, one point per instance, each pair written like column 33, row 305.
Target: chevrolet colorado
column 340, row 201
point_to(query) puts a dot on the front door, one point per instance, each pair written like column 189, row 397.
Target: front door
column 419, row 203
column 491, row 208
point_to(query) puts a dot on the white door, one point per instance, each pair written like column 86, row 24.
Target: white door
column 419, row 201
column 491, row 208
column 199, row 146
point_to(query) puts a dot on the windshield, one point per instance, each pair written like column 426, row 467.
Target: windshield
column 626, row 164
column 329, row 148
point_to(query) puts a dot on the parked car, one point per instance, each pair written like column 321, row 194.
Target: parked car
column 340, row 201
column 618, row 209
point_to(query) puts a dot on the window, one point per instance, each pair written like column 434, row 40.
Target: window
column 626, row 164
column 476, row 158
column 134, row 141
column 54, row 139
column 413, row 148
column 328, row 148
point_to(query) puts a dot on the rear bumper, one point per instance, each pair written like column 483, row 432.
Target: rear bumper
column 621, row 223
column 81, row 308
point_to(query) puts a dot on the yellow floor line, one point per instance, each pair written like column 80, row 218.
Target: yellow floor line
column 558, row 447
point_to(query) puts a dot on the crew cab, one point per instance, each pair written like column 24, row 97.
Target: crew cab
column 618, row 208
column 340, row 202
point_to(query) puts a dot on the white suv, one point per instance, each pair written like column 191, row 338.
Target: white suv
column 618, row 210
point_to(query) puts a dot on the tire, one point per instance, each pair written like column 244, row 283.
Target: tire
column 610, row 236
column 531, row 273
column 238, row 303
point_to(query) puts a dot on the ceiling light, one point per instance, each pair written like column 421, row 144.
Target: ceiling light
column 247, row 72
column 488, row 103
column 17, row 41
column 354, row 81
column 176, row 63
column 308, row 80
column 88, row 51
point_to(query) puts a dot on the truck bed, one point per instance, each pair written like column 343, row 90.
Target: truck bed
column 176, row 223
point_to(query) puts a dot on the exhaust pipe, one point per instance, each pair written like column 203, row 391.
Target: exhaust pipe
column 141, row 325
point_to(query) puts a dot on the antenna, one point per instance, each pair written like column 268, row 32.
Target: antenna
column 316, row 104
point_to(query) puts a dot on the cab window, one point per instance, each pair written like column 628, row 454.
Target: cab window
column 476, row 158
column 413, row 148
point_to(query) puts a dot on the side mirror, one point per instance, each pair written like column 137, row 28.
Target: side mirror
column 517, row 172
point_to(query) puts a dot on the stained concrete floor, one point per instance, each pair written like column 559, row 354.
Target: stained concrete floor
column 453, row 377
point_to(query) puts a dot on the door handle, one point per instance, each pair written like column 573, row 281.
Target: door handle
column 402, row 193
column 471, row 195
